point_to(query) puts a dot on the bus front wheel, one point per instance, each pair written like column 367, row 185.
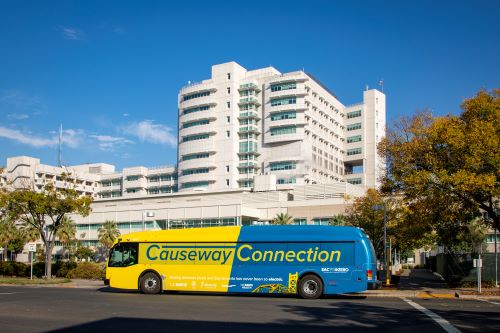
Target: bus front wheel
column 310, row 287
column 150, row 283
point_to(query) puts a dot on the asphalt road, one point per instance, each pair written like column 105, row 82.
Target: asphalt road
column 46, row 309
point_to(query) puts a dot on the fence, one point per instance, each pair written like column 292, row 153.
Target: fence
column 458, row 268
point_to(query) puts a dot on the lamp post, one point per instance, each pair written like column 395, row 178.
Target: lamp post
column 385, row 257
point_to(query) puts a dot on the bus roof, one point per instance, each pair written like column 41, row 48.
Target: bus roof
column 288, row 233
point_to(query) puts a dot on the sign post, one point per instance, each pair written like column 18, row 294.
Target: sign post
column 478, row 263
column 31, row 250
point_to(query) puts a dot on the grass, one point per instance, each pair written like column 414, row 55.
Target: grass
column 26, row 281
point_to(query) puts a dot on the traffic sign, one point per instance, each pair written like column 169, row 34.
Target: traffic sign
column 31, row 247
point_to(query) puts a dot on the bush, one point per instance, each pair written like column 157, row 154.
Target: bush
column 87, row 270
column 62, row 268
column 13, row 268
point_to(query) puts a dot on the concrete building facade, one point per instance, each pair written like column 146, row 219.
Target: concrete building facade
column 240, row 123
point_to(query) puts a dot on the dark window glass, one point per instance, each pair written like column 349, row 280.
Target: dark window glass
column 124, row 255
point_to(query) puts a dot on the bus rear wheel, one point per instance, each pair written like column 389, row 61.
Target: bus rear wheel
column 150, row 283
column 310, row 287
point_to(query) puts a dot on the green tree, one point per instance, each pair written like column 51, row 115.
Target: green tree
column 282, row 219
column 45, row 211
column 338, row 220
column 451, row 163
column 363, row 214
column 108, row 233
column 67, row 233
column 84, row 252
column 8, row 233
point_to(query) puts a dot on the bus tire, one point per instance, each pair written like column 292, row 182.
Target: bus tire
column 310, row 287
column 150, row 283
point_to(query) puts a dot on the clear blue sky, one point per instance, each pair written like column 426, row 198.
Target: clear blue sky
column 110, row 71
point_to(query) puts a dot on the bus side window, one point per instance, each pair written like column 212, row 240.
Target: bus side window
column 124, row 255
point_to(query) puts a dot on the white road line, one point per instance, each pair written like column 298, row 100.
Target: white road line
column 8, row 293
column 485, row 300
column 445, row 324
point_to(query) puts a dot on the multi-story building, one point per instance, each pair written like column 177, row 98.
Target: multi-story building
column 97, row 179
column 240, row 123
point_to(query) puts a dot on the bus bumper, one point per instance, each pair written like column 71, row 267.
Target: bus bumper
column 106, row 282
column 373, row 285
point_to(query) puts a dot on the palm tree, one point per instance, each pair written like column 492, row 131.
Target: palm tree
column 282, row 219
column 337, row 220
column 108, row 233
column 66, row 232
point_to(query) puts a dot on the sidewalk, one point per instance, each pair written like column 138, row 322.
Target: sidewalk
column 422, row 283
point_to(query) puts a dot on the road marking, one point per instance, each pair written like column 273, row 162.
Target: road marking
column 8, row 293
column 445, row 324
column 485, row 300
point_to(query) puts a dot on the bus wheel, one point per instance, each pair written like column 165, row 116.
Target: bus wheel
column 150, row 283
column 311, row 287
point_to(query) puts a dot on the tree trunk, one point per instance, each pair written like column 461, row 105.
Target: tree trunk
column 48, row 259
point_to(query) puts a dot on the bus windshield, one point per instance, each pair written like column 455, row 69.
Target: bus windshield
column 124, row 255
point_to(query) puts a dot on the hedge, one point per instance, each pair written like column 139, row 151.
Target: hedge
column 68, row 269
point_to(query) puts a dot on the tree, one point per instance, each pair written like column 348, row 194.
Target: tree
column 84, row 252
column 363, row 214
column 453, row 159
column 108, row 233
column 45, row 211
column 8, row 233
column 282, row 219
column 337, row 220
column 66, row 233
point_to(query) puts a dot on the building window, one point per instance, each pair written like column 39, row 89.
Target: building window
column 490, row 238
column 132, row 178
column 283, row 86
column 354, row 181
column 228, row 119
column 196, row 95
column 228, row 105
column 248, row 147
column 354, row 114
column 321, row 220
column 352, row 127
column 283, row 130
column 195, row 184
column 356, row 138
column 300, row 221
column 283, row 115
column 195, row 156
column 196, row 109
column 227, row 182
column 227, row 168
column 281, row 181
column 228, row 134
column 194, row 171
column 229, row 76
column 196, row 123
column 228, row 90
column 285, row 165
column 353, row 151
column 195, row 137
column 283, row 101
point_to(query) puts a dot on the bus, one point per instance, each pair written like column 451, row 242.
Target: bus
column 310, row 261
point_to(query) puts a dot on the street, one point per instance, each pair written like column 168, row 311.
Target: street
column 48, row 309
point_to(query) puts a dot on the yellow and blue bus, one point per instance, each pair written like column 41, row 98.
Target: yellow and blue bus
column 306, row 260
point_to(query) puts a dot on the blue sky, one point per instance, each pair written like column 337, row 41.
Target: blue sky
column 110, row 71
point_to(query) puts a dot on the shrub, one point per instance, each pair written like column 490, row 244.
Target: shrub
column 62, row 268
column 87, row 270
column 13, row 268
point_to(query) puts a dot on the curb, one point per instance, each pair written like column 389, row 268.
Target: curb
column 476, row 297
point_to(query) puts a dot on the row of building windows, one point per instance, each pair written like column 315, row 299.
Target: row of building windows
column 281, row 181
column 196, row 109
column 283, row 101
column 194, row 171
column 194, row 184
column 355, row 181
column 195, row 156
column 196, row 95
column 353, row 151
column 195, row 137
column 352, row 127
column 284, row 115
column 196, row 123
column 248, row 146
column 354, row 114
column 162, row 189
column 284, row 165
column 283, row 130
column 356, row 138
column 155, row 179
column 283, row 86
column 114, row 182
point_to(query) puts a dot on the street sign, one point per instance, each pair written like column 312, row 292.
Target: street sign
column 31, row 247
column 478, row 262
